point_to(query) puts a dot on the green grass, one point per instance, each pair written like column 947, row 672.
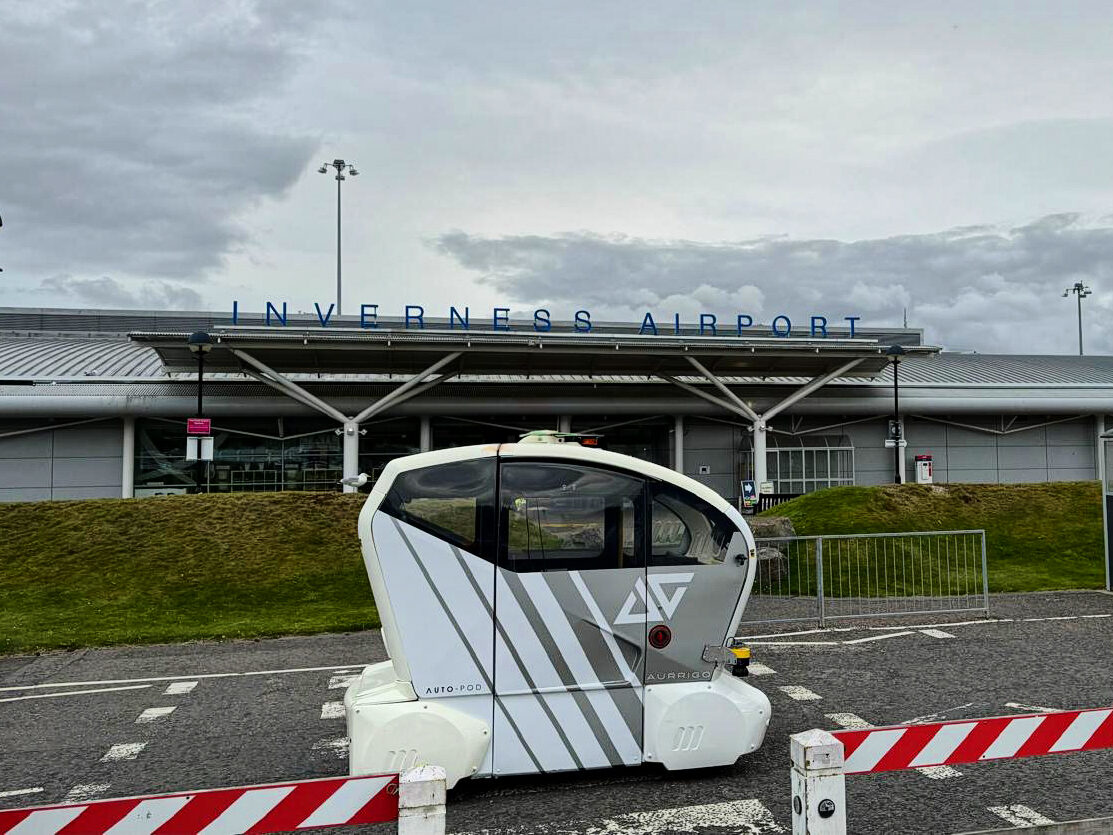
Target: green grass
column 1038, row 536
column 177, row 568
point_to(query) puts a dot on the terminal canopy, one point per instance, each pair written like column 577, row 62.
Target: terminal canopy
column 294, row 350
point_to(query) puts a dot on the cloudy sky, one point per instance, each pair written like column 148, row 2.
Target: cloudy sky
column 949, row 158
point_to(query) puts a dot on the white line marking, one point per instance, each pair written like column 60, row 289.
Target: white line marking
column 745, row 817
column 756, row 668
column 802, row 632
column 85, row 791
column 153, row 713
column 180, row 678
column 338, row 746
column 879, row 637
column 979, row 622
column 123, row 751
column 1019, row 815
column 850, row 721
column 336, row 682
column 332, row 710
column 794, row 643
column 800, row 694
column 936, row 633
column 1097, row 616
column 18, row 792
column 179, row 688
column 931, row 717
column 1031, row 708
column 1037, row 620
column 939, row 772
column 73, row 693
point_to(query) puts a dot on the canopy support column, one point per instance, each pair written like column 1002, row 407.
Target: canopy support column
column 426, row 441
column 678, row 444
column 761, row 471
column 127, row 471
column 350, row 443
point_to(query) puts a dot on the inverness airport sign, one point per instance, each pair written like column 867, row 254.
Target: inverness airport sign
column 462, row 318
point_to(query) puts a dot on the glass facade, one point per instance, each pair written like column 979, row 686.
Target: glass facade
column 644, row 438
column 262, row 455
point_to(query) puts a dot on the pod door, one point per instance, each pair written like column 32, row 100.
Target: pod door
column 696, row 574
column 569, row 650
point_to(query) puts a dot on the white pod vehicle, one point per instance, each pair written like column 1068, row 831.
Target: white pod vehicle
column 550, row 607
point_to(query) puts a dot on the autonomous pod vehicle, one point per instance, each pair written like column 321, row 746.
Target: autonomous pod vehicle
column 548, row 606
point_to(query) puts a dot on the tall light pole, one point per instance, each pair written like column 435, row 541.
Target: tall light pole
column 1081, row 291
column 341, row 166
column 896, row 434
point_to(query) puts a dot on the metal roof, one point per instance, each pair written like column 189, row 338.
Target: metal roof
column 23, row 358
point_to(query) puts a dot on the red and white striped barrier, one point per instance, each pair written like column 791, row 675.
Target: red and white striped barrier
column 971, row 741
column 821, row 760
column 276, row 807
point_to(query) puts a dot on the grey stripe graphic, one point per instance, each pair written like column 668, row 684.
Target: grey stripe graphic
column 510, row 721
column 460, row 632
column 586, row 630
column 514, row 583
column 523, row 669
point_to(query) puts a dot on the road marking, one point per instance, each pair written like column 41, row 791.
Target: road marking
column 854, row 722
column 800, row 694
column 332, row 710
column 746, row 817
column 1107, row 615
column 1019, row 815
column 73, row 693
column 123, row 751
column 878, row 637
column 179, row 688
column 338, row 746
column 18, row 792
column 1031, row 708
column 936, row 633
column 932, row 717
column 979, row 622
column 85, row 791
column 802, row 632
column 850, row 721
column 793, row 643
column 153, row 713
column 336, row 682
column 758, row 669
column 180, row 678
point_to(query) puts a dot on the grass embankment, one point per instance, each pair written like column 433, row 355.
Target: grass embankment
column 1038, row 536
column 176, row 568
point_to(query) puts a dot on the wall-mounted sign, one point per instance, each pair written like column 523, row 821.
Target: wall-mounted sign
column 461, row 318
column 199, row 426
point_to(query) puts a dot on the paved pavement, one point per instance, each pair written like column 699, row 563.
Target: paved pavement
column 137, row 720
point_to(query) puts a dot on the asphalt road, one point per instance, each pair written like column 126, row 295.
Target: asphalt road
column 257, row 712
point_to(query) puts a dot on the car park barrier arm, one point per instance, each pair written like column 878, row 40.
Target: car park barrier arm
column 415, row 799
column 821, row 760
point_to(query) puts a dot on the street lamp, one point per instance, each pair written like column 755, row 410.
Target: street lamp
column 896, row 436
column 1082, row 291
column 341, row 166
column 200, row 343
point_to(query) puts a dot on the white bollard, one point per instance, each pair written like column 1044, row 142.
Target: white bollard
column 818, row 784
column 421, row 793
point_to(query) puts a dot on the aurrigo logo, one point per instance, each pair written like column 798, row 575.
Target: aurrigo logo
column 657, row 603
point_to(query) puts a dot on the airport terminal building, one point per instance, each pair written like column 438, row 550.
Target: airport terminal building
column 94, row 403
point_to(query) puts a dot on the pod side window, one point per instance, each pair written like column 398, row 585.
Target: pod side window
column 454, row 502
column 567, row 517
column 686, row 530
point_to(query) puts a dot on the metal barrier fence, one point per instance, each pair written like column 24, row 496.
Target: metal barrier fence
column 869, row 575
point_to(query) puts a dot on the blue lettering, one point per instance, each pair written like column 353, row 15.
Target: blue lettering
column 324, row 319
column 744, row 321
column 418, row 317
column 454, row 317
column 501, row 314
column 583, row 321
column 852, row 320
column 707, row 320
column 819, row 323
column 235, row 312
column 788, row 326
column 542, row 320
column 648, row 324
column 368, row 320
column 676, row 323
column 281, row 317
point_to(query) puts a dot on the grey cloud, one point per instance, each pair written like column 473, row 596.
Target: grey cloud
column 134, row 134
column 976, row 287
column 109, row 292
